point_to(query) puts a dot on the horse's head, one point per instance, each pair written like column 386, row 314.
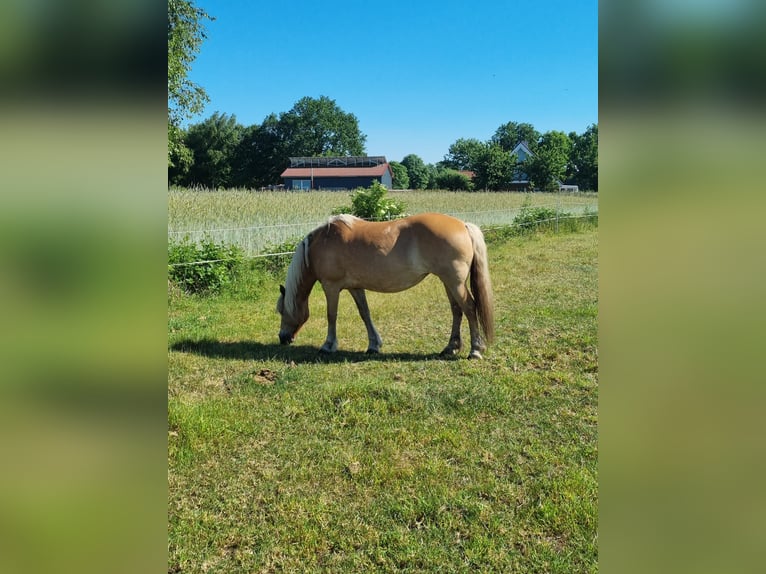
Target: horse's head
column 291, row 321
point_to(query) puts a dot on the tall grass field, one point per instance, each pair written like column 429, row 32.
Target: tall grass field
column 257, row 220
column 282, row 460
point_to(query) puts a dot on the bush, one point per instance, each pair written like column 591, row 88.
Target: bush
column 276, row 264
column 452, row 180
column 222, row 264
column 536, row 218
column 372, row 204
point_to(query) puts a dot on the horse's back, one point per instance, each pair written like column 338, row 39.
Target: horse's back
column 391, row 255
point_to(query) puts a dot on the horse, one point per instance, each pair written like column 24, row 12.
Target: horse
column 390, row 256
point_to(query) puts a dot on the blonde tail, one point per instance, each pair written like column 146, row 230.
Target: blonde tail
column 481, row 285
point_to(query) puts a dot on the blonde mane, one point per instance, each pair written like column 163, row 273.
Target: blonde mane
column 344, row 218
column 295, row 273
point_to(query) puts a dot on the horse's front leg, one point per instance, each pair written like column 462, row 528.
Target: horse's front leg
column 331, row 343
column 375, row 342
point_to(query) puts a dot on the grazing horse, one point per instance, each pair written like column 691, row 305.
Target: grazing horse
column 390, row 256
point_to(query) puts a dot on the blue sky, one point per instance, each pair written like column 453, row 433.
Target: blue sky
column 418, row 75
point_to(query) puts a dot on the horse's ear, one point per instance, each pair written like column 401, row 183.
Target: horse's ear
column 282, row 289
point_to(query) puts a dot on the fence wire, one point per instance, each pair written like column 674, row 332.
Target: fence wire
column 585, row 213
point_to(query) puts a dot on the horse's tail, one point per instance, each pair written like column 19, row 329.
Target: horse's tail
column 481, row 285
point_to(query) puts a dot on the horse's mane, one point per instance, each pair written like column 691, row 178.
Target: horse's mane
column 295, row 274
column 344, row 218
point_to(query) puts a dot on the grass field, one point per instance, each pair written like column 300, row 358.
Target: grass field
column 280, row 460
column 254, row 220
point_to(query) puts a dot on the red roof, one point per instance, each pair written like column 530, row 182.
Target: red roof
column 305, row 172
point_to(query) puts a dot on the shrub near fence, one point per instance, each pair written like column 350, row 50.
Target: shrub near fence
column 206, row 267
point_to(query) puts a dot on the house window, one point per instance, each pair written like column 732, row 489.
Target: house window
column 302, row 184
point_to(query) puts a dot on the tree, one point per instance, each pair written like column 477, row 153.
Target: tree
column 318, row 127
column 417, row 171
column 463, row 154
column 549, row 164
column 186, row 33
column 494, row 168
column 583, row 159
column 213, row 143
column 183, row 159
column 401, row 177
column 510, row 134
column 260, row 157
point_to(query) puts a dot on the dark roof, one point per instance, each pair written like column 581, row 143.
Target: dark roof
column 338, row 161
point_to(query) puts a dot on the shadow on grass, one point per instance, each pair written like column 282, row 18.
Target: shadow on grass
column 252, row 350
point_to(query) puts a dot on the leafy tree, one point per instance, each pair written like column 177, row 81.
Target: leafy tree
column 260, row 157
column 463, row 154
column 433, row 171
column 318, row 127
column 213, row 143
column 401, row 177
column 417, row 171
column 583, row 159
column 510, row 134
column 186, row 33
column 183, row 159
column 549, row 164
column 494, row 168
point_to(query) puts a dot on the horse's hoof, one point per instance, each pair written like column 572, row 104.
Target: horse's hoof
column 449, row 352
column 475, row 355
column 373, row 352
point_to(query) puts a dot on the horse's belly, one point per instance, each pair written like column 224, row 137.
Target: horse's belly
column 385, row 280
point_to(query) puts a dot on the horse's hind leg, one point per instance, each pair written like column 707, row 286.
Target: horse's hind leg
column 459, row 293
column 375, row 342
column 455, row 342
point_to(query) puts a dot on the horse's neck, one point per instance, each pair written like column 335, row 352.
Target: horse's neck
column 301, row 289
column 304, row 286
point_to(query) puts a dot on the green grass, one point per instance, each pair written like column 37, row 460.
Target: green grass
column 280, row 460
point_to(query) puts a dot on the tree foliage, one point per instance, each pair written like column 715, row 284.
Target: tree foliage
column 400, row 176
column 510, row 134
column 583, row 159
column 255, row 156
column 494, row 168
column 260, row 157
column 213, row 144
column 417, row 171
column 186, row 32
column 318, row 127
column 548, row 166
column 463, row 154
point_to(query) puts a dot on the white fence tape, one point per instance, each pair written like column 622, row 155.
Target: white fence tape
column 586, row 213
